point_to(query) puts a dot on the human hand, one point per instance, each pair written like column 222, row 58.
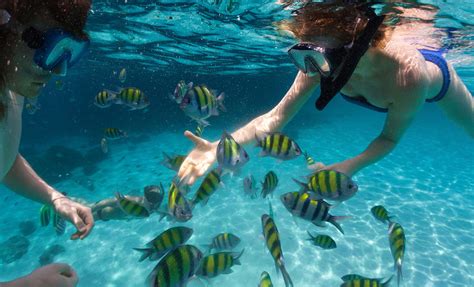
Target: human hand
column 77, row 214
column 198, row 160
column 342, row 167
column 52, row 275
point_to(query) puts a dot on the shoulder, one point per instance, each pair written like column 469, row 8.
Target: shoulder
column 412, row 68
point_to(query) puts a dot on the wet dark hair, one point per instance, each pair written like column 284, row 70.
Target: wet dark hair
column 71, row 14
column 330, row 19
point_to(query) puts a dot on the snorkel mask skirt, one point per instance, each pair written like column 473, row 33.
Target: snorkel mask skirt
column 335, row 65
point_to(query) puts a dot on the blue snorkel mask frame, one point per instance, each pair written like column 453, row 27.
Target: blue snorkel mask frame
column 55, row 47
column 335, row 65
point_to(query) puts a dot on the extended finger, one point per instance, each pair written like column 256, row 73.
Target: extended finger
column 86, row 215
column 195, row 139
column 79, row 224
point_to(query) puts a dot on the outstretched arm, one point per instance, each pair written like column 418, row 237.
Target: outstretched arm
column 399, row 117
column 204, row 154
column 23, row 180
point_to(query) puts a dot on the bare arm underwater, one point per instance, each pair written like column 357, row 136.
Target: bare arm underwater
column 204, row 154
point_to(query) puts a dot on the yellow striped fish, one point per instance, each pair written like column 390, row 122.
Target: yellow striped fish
column 179, row 207
column 173, row 162
column 272, row 240
column 265, row 280
column 208, row 186
column 131, row 207
column 199, row 130
column 224, row 241
column 218, row 263
column 323, row 241
column 279, row 146
column 381, row 214
column 269, row 184
column 104, row 99
column 165, row 242
column 176, row 268
column 396, row 236
column 180, row 91
column 309, row 159
column 330, row 185
column 199, row 103
column 305, row 206
column 230, row 155
column 133, row 98
column 114, row 133
column 354, row 280
column 46, row 213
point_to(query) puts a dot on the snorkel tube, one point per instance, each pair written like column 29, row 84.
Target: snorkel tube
column 332, row 84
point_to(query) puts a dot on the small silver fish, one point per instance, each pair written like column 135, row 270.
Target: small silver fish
column 250, row 187
column 104, row 145
column 123, row 75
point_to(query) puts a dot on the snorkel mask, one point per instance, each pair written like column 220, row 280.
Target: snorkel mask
column 335, row 65
column 55, row 48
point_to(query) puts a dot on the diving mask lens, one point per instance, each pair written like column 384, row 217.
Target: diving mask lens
column 310, row 59
column 55, row 47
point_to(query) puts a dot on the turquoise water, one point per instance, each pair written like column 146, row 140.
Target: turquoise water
column 426, row 182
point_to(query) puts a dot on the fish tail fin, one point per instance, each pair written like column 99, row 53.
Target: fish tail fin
column 286, row 276
column 311, row 237
column 237, row 256
column 304, row 186
column 203, row 122
column 398, row 267
column 146, row 252
column 220, row 102
column 386, row 283
column 151, row 278
column 334, row 221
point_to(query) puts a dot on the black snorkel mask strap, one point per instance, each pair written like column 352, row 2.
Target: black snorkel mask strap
column 331, row 85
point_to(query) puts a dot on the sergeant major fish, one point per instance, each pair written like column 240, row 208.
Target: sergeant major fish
column 396, row 236
column 179, row 208
column 164, row 242
column 224, row 241
column 131, row 97
column 269, row 184
column 104, row 99
column 329, row 185
column 381, row 214
column 230, row 155
column 308, row 208
column 323, row 241
column 114, row 133
column 199, row 103
column 272, row 240
column 218, row 263
column 131, row 207
column 354, row 280
column 173, row 162
column 176, row 268
column 265, row 280
column 279, row 146
column 209, row 185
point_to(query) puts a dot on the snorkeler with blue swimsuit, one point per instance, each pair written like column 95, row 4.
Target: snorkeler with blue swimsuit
column 38, row 39
column 348, row 48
